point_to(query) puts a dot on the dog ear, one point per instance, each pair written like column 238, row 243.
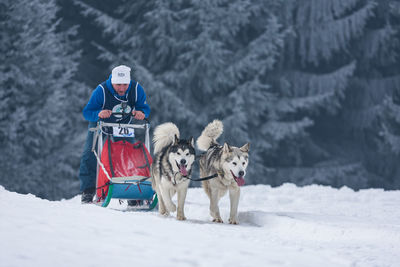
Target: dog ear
column 191, row 141
column 245, row 148
column 176, row 141
column 226, row 148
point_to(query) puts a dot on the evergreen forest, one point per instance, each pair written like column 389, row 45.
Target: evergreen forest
column 313, row 85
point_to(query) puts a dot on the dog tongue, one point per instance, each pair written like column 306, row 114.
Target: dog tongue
column 182, row 169
column 240, row 181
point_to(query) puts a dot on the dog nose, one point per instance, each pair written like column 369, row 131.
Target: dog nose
column 183, row 161
column 241, row 173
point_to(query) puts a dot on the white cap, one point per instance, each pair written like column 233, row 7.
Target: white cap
column 121, row 75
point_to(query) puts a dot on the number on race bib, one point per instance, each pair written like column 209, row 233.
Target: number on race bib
column 119, row 131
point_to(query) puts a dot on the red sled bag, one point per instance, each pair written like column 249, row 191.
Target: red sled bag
column 126, row 160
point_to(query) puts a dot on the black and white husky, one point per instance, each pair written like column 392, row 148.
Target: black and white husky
column 228, row 162
column 171, row 168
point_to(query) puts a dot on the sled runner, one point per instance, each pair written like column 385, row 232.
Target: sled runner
column 123, row 167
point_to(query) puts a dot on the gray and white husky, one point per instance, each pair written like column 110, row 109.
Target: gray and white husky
column 171, row 168
column 229, row 163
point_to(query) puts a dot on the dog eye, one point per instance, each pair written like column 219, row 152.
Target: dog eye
column 187, row 154
column 244, row 163
column 234, row 163
column 179, row 153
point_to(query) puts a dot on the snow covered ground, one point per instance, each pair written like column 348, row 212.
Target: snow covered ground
column 284, row 226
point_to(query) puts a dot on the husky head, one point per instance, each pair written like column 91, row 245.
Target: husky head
column 235, row 161
column 181, row 155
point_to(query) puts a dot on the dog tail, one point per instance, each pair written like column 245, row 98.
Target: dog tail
column 210, row 135
column 164, row 135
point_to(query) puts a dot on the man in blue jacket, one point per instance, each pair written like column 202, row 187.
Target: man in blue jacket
column 117, row 93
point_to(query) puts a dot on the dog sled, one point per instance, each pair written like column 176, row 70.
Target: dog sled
column 123, row 167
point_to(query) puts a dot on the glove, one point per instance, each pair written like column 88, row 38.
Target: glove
column 138, row 115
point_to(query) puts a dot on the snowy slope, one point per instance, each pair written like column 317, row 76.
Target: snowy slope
column 284, row 226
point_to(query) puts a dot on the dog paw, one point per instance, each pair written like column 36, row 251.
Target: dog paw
column 164, row 213
column 162, row 210
column 233, row 221
column 171, row 208
column 181, row 218
column 218, row 220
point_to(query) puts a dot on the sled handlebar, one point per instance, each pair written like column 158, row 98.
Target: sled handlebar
column 124, row 116
column 145, row 125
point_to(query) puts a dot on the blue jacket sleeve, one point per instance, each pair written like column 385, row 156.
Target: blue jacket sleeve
column 95, row 105
column 141, row 103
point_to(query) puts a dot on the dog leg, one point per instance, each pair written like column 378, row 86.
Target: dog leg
column 181, row 203
column 234, row 195
column 214, row 209
column 161, row 205
column 165, row 192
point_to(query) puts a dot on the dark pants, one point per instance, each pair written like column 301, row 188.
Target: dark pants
column 88, row 167
column 87, row 170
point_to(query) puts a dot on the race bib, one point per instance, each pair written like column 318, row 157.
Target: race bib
column 119, row 131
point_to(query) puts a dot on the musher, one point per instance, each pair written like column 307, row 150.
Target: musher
column 115, row 94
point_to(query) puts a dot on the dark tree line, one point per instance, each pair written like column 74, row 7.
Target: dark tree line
column 313, row 85
column 39, row 98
